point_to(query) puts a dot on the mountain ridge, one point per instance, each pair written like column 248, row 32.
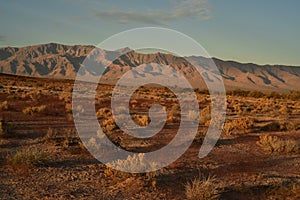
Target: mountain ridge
column 55, row 60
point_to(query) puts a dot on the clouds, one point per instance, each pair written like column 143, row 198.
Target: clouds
column 126, row 17
column 191, row 9
column 179, row 9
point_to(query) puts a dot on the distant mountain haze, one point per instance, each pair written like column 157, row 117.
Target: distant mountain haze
column 62, row 61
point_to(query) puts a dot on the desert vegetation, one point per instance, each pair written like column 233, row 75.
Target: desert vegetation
column 256, row 156
column 275, row 144
column 205, row 188
column 27, row 157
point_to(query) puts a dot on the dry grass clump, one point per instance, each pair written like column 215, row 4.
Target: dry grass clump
column 28, row 157
column 4, row 106
column 272, row 144
column 201, row 189
column 34, row 109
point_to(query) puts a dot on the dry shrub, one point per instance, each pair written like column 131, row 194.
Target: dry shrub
column 135, row 163
column 201, row 189
column 93, row 144
column 200, row 136
column 4, row 106
column 244, row 124
column 28, row 157
column 2, row 141
column 281, row 126
column 142, row 120
column 284, row 110
column 205, row 115
column 2, row 129
column 228, row 127
column 289, row 126
column 63, row 137
column 271, row 144
column 193, row 116
column 174, row 114
column 34, row 109
column 283, row 191
column 109, row 125
column 104, row 113
column 68, row 107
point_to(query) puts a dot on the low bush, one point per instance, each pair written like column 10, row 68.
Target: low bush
column 28, row 157
column 109, row 125
column 238, row 125
column 174, row 114
column 193, row 116
column 135, row 163
column 271, row 144
column 205, row 115
column 4, row 106
column 34, row 109
column 142, row 120
column 201, row 189
column 104, row 113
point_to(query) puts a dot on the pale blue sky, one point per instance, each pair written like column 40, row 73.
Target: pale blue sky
column 260, row 31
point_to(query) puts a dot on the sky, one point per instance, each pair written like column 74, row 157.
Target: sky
column 256, row 31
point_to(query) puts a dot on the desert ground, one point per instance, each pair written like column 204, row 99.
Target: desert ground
column 42, row 157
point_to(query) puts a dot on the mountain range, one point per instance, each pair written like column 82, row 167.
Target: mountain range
column 62, row 61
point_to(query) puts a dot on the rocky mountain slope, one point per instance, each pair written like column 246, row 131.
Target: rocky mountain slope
column 62, row 61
